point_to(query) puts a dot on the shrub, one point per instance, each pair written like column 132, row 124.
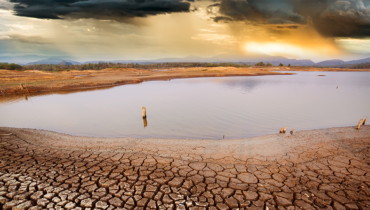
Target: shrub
column 259, row 64
column 11, row 66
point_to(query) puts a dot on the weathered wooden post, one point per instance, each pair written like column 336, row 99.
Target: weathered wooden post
column 359, row 124
column 364, row 121
column 143, row 111
column 291, row 132
column 21, row 85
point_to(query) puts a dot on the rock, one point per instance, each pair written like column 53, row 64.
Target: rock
column 197, row 166
column 250, row 195
column 247, row 178
column 222, row 206
column 23, row 206
column 231, row 202
column 176, row 182
column 88, row 203
column 303, row 205
column 70, row 205
column 337, row 206
column 283, row 201
column 42, row 202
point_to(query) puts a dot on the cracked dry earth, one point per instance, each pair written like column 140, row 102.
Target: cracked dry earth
column 322, row 169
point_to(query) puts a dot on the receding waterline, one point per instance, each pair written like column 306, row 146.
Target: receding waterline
column 234, row 107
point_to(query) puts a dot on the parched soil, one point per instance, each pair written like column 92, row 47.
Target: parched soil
column 318, row 169
column 39, row 81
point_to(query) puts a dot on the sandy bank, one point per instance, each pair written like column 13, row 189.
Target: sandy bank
column 273, row 145
column 38, row 81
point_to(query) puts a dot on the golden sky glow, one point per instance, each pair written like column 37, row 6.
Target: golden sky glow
column 179, row 34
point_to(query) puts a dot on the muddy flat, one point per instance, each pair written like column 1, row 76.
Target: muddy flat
column 318, row 169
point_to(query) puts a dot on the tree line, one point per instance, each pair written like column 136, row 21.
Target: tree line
column 105, row 65
column 268, row 64
column 11, row 66
column 355, row 66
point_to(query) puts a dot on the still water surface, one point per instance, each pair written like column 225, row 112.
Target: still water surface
column 201, row 107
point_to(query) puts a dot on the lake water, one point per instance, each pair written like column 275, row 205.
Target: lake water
column 201, row 107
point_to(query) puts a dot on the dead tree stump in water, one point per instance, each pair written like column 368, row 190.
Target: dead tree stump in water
column 359, row 124
column 143, row 111
column 145, row 122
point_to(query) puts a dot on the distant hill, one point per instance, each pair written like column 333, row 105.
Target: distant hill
column 330, row 62
column 65, row 63
column 366, row 60
column 365, row 65
column 250, row 59
column 54, row 61
column 336, row 62
column 21, row 59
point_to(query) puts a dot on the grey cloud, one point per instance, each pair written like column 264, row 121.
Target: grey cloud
column 5, row 5
column 118, row 10
column 331, row 18
column 345, row 20
column 260, row 11
column 221, row 18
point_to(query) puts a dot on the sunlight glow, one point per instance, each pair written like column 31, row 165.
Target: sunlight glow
column 275, row 49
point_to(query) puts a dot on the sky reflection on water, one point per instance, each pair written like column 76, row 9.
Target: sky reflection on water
column 200, row 107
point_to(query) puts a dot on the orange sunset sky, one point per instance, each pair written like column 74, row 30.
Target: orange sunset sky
column 150, row 29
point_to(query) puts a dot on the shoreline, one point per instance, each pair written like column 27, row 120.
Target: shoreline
column 82, row 87
column 34, row 81
column 269, row 145
column 45, row 82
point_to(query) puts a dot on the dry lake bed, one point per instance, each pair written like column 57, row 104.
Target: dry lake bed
column 179, row 160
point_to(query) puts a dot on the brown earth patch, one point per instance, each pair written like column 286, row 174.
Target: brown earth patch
column 318, row 169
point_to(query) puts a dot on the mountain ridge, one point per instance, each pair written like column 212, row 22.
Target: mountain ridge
column 55, row 61
column 251, row 60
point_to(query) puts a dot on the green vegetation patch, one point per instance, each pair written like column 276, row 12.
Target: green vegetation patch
column 11, row 66
column 121, row 66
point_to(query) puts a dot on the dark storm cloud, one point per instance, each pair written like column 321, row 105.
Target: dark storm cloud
column 344, row 18
column 97, row 9
column 333, row 18
column 262, row 11
column 221, row 18
column 286, row 27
